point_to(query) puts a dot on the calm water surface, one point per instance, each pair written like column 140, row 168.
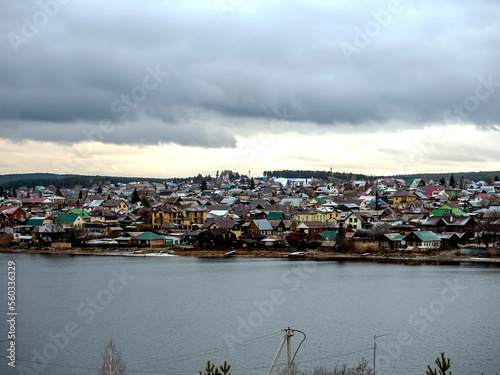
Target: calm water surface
column 170, row 315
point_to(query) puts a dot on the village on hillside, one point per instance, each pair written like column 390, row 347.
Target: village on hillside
column 259, row 213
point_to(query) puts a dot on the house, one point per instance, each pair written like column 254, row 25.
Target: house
column 48, row 233
column 195, row 214
column 435, row 192
column 215, row 239
column 115, row 204
column 148, row 239
column 37, row 221
column 166, row 213
column 3, row 220
column 13, row 215
column 422, row 240
column 359, row 220
column 37, row 202
column 450, row 223
column 295, row 202
column 451, row 240
column 172, row 240
column 251, row 239
column 327, row 235
column 402, row 197
column 100, row 216
column 278, row 225
column 85, row 214
column 275, row 216
column 261, row 226
column 443, row 210
column 227, row 223
column 311, row 228
column 390, row 240
column 74, row 221
column 372, row 204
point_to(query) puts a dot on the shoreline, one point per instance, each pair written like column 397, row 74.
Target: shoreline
column 416, row 259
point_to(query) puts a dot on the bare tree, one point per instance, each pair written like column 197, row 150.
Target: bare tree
column 112, row 361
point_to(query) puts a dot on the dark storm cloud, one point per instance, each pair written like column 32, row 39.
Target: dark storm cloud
column 354, row 63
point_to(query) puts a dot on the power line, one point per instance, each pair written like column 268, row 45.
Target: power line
column 206, row 352
column 336, row 356
column 304, row 339
column 95, row 368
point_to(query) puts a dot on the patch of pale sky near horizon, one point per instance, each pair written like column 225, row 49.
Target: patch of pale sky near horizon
column 463, row 148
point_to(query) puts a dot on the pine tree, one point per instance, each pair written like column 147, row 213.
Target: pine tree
column 443, row 365
column 203, row 185
column 135, row 197
column 80, row 195
column 463, row 183
column 145, row 202
column 252, row 184
column 340, row 237
column 2, row 191
column 452, row 181
column 496, row 178
column 442, row 181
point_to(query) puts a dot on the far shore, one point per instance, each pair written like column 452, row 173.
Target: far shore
column 445, row 257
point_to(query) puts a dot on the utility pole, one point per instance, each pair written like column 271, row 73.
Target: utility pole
column 286, row 338
column 289, row 351
column 375, row 348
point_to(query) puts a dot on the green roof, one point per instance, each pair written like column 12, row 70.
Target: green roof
column 80, row 211
column 445, row 207
column 456, row 211
column 427, row 236
column 149, row 236
column 66, row 218
column 399, row 237
column 321, row 200
column 274, row 216
column 328, row 235
column 36, row 221
column 409, row 181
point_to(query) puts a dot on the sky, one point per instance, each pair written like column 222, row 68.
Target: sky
column 173, row 89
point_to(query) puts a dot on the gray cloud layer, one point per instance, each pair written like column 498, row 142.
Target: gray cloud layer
column 348, row 62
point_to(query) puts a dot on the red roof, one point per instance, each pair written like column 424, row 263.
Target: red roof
column 428, row 192
column 34, row 200
column 8, row 210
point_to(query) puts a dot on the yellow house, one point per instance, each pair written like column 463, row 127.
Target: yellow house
column 325, row 217
column 115, row 204
column 402, row 197
column 166, row 213
column 195, row 215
